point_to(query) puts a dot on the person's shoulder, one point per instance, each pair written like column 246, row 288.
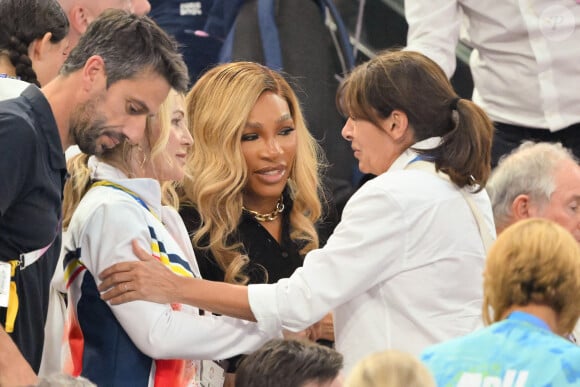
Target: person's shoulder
column 11, row 88
column 113, row 205
column 455, row 346
column 111, row 198
column 565, row 348
column 407, row 177
column 441, row 348
column 407, row 187
column 16, row 129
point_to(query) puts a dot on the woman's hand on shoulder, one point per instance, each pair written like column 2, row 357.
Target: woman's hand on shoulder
column 147, row 279
column 322, row 330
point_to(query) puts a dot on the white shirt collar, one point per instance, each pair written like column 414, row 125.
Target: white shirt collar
column 148, row 189
column 410, row 154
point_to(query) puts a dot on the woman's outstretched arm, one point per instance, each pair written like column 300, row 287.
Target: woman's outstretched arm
column 149, row 280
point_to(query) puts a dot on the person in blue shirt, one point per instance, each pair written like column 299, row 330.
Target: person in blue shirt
column 531, row 285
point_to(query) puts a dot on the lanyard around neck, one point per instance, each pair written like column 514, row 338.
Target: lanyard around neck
column 106, row 183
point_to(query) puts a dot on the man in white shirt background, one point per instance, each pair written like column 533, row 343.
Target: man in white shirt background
column 524, row 62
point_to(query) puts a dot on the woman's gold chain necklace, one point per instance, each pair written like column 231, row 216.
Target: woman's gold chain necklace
column 269, row 216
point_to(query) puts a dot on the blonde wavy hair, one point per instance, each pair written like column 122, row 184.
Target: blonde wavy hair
column 79, row 181
column 534, row 261
column 390, row 369
column 218, row 107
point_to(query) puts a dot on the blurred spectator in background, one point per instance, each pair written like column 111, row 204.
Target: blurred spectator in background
column 82, row 12
column 537, row 180
column 524, row 62
column 390, row 369
column 185, row 20
column 531, row 286
column 33, row 44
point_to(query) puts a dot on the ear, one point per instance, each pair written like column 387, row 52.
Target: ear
column 396, row 125
column 94, row 76
column 39, row 47
column 79, row 18
column 522, row 207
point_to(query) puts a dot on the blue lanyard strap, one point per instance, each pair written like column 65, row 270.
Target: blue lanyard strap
column 421, row 157
column 106, row 183
column 417, row 158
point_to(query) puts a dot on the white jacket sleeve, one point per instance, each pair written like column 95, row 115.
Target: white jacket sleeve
column 366, row 248
column 434, row 30
column 156, row 329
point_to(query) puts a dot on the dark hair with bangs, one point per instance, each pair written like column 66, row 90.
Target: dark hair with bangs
column 414, row 84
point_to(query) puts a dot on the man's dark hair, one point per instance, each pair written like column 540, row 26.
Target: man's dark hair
column 289, row 363
column 129, row 45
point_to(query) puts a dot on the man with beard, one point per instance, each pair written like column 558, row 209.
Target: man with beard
column 119, row 73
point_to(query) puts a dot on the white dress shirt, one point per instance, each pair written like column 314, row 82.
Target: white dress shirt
column 402, row 270
column 525, row 54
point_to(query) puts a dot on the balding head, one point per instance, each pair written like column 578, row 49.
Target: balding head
column 82, row 12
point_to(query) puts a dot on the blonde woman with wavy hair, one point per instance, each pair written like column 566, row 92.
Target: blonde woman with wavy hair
column 220, row 106
column 252, row 196
column 149, row 158
column 531, row 285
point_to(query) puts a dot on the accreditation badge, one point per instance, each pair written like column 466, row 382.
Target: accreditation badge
column 5, row 271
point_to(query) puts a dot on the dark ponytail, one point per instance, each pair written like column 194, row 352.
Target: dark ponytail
column 465, row 151
column 412, row 83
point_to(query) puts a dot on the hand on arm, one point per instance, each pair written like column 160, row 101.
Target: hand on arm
column 149, row 280
column 323, row 330
column 14, row 369
column 300, row 335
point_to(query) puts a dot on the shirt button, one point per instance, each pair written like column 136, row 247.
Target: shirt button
column 284, row 254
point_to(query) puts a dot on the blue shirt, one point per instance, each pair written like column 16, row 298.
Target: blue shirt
column 518, row 351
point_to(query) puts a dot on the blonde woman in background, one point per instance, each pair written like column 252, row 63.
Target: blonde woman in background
column 531, row 284
column 110, row 202
column 390, row 369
